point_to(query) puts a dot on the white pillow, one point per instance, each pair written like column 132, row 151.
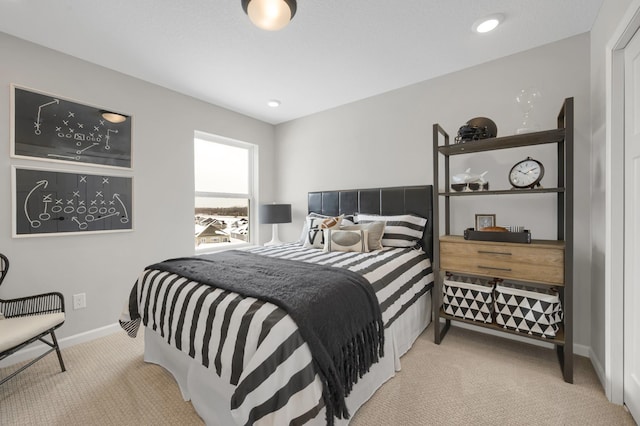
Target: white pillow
column 343, row 240
column 400, row 230
column 314, row 225
column 346, row 220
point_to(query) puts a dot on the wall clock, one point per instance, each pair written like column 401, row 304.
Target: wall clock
column 526, row 173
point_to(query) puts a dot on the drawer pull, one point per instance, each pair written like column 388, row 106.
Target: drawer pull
column 494, row 252
column 496, row 269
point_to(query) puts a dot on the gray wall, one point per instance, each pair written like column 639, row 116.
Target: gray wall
column 105, row 266
column 386, row 140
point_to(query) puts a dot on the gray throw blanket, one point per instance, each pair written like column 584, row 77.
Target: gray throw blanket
column 336, row 310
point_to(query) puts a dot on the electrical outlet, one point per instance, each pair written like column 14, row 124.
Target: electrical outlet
column 79, row 301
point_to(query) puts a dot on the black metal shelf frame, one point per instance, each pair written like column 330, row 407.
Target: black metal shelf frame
column 563, row 138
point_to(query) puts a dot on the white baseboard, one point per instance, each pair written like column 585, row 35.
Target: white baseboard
column 582, row 350
column 34, row 350
column 597, row 366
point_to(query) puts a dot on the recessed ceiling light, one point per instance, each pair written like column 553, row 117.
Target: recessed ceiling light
column 487, row 23
column 274, row 103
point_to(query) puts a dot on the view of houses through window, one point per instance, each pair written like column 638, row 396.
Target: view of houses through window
column 223, row 191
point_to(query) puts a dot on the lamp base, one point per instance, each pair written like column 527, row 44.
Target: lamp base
column 275, row 241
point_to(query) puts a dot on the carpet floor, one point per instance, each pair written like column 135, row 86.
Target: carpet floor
column 471, row 378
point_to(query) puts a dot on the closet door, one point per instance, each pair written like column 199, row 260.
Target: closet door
column 632, row 229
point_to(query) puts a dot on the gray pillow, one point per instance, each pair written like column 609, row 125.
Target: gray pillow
column 376, row 231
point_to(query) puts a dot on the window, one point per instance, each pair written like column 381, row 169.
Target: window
column 224, row 182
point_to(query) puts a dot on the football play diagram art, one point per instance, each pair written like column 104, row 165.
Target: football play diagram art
column 48, row 202
column 48, row 127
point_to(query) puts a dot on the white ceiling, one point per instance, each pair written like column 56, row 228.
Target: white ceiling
column 332, row 53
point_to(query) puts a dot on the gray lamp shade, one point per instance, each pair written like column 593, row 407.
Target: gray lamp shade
column 275, row 213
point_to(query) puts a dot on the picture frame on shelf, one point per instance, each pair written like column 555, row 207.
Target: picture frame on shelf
column 484, row 220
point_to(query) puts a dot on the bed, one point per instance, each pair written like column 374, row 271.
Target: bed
column 243, row 359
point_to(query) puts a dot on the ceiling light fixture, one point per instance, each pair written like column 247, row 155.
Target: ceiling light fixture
column 270, row 15
column 113, row 117
column 487, row 23
column 273, row 103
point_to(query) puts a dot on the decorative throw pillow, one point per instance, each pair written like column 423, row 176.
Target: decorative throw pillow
column 315, row 225
column 342, row 240
column 400, row 230
column 346, row 220
column 375, row 231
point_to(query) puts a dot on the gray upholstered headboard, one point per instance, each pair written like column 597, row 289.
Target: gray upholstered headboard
column 417, row 200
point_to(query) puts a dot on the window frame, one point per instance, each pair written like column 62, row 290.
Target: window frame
column 251, row 196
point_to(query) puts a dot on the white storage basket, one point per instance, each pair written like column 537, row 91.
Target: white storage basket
column 528, row 311
column 469, row 298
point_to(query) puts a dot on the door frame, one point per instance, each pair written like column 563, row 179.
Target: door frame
column 614, row 203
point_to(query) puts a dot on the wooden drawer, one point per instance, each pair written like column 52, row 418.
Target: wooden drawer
column 541, row 261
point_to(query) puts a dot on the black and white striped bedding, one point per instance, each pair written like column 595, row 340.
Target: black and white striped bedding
column 254, row 345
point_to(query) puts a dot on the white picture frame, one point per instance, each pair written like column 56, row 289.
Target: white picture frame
column 485, row 220
column 47, row 127
column 48, row 202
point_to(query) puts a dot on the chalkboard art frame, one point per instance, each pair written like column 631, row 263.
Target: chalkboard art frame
column 49, row 202
column 52, row 128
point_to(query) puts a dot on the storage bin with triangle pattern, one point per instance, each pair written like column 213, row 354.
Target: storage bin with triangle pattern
column 528, row 310
column 469, row 298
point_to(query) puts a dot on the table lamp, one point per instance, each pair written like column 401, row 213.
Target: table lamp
column 275, row 214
